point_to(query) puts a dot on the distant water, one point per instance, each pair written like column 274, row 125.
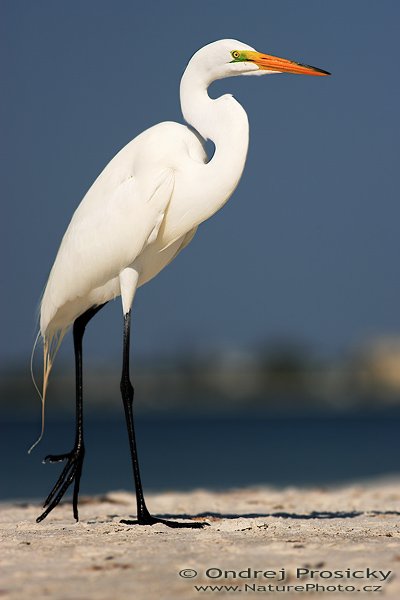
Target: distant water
column 189, row 452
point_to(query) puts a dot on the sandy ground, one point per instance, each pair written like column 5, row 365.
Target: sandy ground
column 354, row 530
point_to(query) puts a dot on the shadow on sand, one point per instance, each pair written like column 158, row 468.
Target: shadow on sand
column 284, row 515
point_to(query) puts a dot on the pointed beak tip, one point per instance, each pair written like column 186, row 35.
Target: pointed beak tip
column 323, row 72
column 302, row 69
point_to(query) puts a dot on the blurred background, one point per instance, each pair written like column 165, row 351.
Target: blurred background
column 269, row 351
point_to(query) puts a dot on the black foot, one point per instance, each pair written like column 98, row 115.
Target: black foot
column 148, row 519
column 71, row 472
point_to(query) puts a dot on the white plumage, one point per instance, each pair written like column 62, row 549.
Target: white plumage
column 117, row 221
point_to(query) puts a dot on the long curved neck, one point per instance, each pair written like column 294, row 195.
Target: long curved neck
column 225, row 123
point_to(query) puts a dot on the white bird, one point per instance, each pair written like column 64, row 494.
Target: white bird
column 141, row 211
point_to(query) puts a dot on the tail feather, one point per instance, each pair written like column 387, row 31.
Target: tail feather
column 51, row 344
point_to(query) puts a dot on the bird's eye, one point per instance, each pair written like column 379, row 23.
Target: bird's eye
column 235, row 54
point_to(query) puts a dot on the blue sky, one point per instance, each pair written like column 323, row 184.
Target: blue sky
column 308, row 246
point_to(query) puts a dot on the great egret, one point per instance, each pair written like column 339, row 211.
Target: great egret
column 141, row 211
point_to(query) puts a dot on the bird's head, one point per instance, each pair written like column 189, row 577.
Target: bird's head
column 227, row 58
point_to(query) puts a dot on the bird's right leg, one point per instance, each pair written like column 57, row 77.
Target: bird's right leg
column 73, row 468
column 143, row 515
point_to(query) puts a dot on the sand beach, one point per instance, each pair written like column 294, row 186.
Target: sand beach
column 291, row 542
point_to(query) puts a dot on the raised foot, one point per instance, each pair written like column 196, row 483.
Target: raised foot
column 150, row 520
column 71, row 472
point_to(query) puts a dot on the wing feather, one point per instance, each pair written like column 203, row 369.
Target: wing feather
column 108, row 231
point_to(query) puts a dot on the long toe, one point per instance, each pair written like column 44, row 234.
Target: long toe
column 150, row 520
column 55, row 458
column 71, row 472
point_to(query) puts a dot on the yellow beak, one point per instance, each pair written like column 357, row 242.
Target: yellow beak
column 266, row 62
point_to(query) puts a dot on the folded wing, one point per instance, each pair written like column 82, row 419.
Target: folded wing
column 108, row 231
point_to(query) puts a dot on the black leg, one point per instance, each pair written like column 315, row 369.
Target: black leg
column 73, row 468
column 127, row 392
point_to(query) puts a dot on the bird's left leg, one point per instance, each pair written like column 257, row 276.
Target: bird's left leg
column 73, row 468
